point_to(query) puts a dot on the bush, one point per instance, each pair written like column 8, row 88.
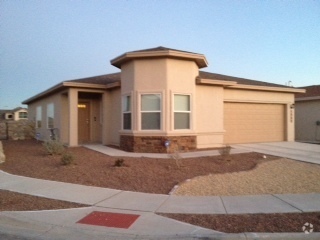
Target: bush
column 119, row 163
column 54, row 147
column 67, row 159
column 225, row 152
column 176, row 156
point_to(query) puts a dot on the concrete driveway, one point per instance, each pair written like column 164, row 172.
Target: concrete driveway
column 305, row 152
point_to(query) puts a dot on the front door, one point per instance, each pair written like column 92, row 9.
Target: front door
column 83, row 122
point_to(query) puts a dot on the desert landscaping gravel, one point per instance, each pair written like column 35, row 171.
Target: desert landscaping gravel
column 273, row 177
column 249, row 172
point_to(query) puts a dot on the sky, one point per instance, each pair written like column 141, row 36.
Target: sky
column 45, row 42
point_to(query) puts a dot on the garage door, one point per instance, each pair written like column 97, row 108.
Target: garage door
column 251, row 122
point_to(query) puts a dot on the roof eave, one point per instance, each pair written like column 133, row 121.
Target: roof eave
column 224, row 83
column 235, row 85
column 63, row 85
column 301, row 99
column 44, row 93
column 268, row 88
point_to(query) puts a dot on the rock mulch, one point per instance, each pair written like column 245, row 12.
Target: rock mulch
column 274, row 177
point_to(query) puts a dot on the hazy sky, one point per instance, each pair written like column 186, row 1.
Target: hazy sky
column 46, row 42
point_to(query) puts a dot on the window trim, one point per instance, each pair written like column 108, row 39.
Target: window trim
column 160, row 111
column 176, row 111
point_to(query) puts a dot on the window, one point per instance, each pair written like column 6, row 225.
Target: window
column 126, row 112
column 181, row 111
column 50, row 115
column 23, row 115
column 150, row 112
column 38, row 117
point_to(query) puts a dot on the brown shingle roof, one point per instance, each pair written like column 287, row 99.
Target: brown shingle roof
column 311, row 91
column 103, row 79
column 215, row 76
column 116, row 77
column 160, row 48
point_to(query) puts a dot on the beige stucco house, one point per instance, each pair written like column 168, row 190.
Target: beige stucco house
column 308, row 115
column 15, row 114
column 160, row 95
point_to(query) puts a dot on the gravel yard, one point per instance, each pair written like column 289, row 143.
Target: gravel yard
column 272, row 177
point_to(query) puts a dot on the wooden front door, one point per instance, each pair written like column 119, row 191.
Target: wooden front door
column 83, row 122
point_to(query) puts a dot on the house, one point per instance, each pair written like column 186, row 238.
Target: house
column 307, row 108
column 161, row 98
column 14, row 114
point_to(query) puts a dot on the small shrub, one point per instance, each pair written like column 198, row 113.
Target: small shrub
column 176, row 156
column 54, row 147
column 225, row 151
column 67, row 159
column 119, row 162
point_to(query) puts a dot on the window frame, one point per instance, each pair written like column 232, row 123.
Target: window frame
column 124, row 105
column 151, row 111
column 189, row 112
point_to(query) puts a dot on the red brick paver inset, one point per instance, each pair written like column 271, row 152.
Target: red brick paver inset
column 107, row 219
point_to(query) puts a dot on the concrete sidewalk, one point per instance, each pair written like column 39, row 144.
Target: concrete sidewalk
column 146, row 202
column 62, row 224
column 305, row 152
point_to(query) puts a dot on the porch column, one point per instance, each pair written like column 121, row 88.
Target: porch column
column 73, row 117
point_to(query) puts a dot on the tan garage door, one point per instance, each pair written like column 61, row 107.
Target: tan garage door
column 251, row 122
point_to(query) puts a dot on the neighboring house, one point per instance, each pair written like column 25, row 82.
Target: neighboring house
column 159, row 97
column 14, row 114
column 307, row 108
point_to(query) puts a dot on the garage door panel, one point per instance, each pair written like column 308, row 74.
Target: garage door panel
column 251, row 122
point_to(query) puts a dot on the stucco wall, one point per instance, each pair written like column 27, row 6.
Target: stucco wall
column 307, row 114
column 209, row 116
column 111, row 117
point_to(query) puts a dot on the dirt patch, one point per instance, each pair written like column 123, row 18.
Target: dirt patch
column 28, row 158
column 11, row 201
column 278, row 222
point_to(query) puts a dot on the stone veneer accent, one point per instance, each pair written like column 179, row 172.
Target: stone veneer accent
column 155, row 144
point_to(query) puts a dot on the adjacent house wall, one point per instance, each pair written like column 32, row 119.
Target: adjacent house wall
column 307, row 115
column 16, row 114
